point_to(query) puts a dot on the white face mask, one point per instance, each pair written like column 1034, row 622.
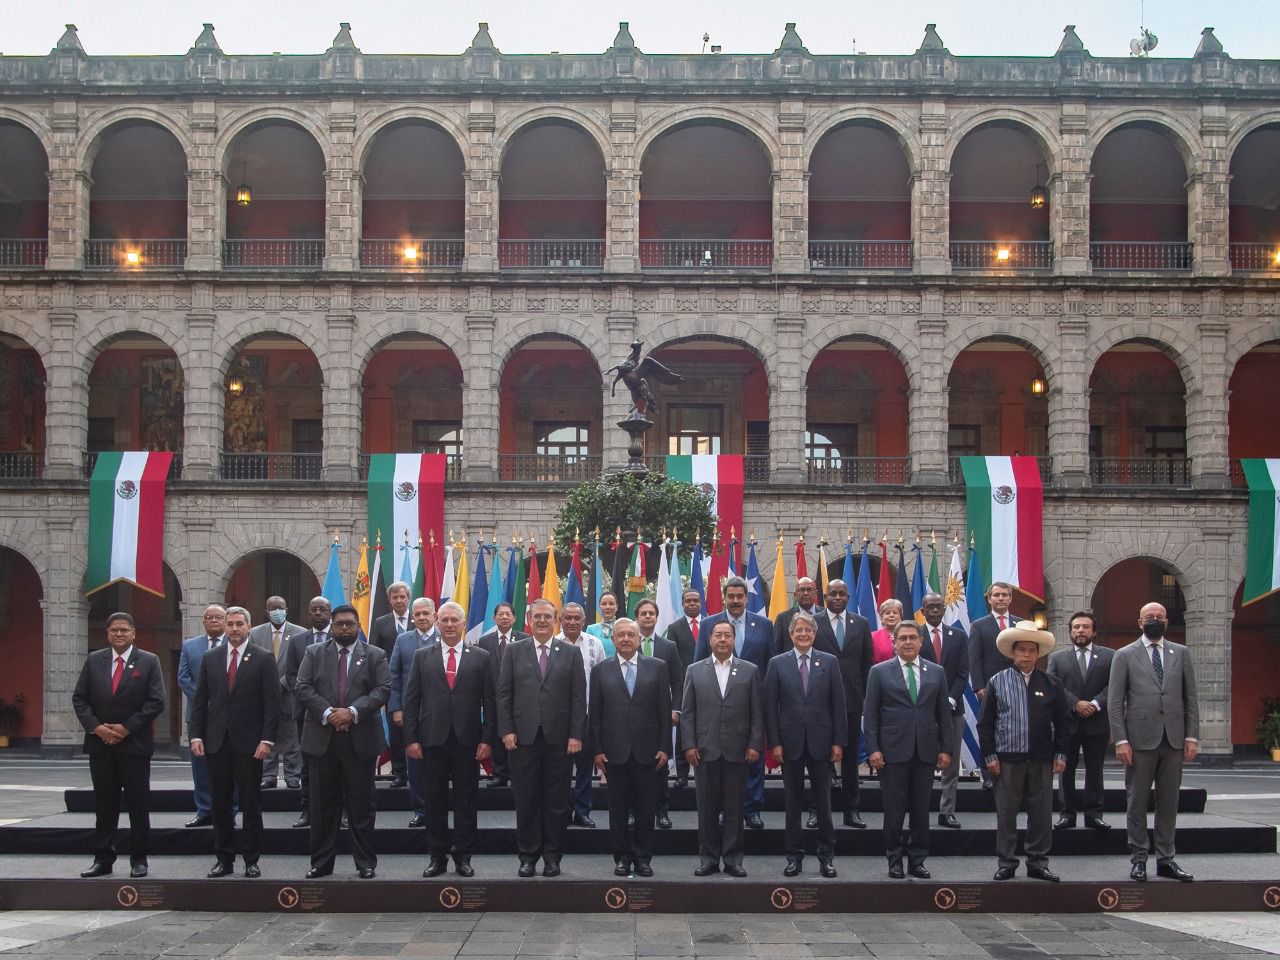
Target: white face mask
column 278, row 617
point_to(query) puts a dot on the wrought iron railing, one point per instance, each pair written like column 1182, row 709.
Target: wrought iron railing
column 1140, row 256
column 135, row 254
column 860, row 471
column 1018, row 256
column 270, row 466
column 860, row 254
column 1140, row 471
column 411, row 254
column 1255, row 256
column 21, row 464
column 550, row 254
column 452, row 466
column 18, row 254
column 706, row 254
column 955, row 475
column 538, row 466
column 89, row 460
column 272, row 254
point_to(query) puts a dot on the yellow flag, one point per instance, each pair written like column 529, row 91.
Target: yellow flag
column 462, row 590
column 551, row 581
column 360, row 590
column 779, row 599
column 823, row 579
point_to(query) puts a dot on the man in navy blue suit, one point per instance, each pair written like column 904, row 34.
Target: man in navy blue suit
column 753, row 642
column 193, row 651
column 948, row 647
column 421, row 633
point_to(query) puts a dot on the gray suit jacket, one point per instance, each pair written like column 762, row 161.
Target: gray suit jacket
column 900, row 729
column 722, row 727
column 368, row 687
column 1145, row 712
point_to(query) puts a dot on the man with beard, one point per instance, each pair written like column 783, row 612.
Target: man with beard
column 1084, row 671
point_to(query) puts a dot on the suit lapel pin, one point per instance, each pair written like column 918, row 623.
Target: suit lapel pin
column 1039, row 693
column 360, row 662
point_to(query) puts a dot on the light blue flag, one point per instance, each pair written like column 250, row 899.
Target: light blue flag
column 974, row 599
column 849, row 577
column 479, row 600
column 597, row 584
column 333, row 590
column 406, row 568
column 677, row 589
column 755, row 585
column 866, row 595
column 695, row 575
column 496, row 589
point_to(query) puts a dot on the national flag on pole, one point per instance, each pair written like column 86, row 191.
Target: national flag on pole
column 902, row 585
column 509, row 585
column 732, row 556
column 755, row 582
column 935, row 584
column 637, row 576
column 1262, row 548
column 551, row 583
column 573, row 583
column 867, row 606
column 431, row 583
column 448, row 579
column 496, row 586
column 722, row 476
column 885, row 590
column 1005, row 506
column 802, row 562
column 126, row 520
column 778, row 599
column 677, row 585
column 597, row 584
column 520, row 590
column 618, row 572
column 462, row 586
column 378, row 602
column 849, row 576
column 479, row 598
column 333, row 590
column 360, row 595
column 918, row 589
column 406, row 561
column 667, row 614
column 696, row 581
column 716, row 576
column 824, row 578
column 534, row 590
column 960, row 614
column 406, row 493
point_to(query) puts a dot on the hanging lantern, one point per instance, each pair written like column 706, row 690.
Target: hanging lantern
column 244, row 195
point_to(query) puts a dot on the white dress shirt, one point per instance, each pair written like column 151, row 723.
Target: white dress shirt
column 722, row 673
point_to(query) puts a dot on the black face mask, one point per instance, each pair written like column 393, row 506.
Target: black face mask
column 1153, row 629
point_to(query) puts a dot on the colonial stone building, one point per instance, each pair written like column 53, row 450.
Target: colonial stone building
column 865, row 266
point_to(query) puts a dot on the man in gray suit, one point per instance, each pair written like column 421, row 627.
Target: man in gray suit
column 274, row 635
column 1155, row 723
column 906, row 721
column 722, row 728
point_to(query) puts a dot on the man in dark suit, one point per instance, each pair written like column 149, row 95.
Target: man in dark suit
column 319, row 612
column 193, row 651
column 847, row 636
column 907, row 724
column 448, row 717
column 495, row 644
column 342, row 684
column 806, row 597
column 422, row 614
column 542, row 720
column 382, row 634
column 722, row 725
column 274, row 635
column 753, row 642
column 684, row 634
column 117, row 698
column 807, row 724
column 630, row 724
column 1084, row 670
column 984, row 659
column 653, row 644
column 1023, row 730
column 954, row 660
column 235, row 715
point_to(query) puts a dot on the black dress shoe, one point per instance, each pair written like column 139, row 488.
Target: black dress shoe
column 919, row 871
column 1003, row 873
column 812, row 822
column 417, row 820
column 701, row 870
column 663, row 822
column 220, row 869
column 346, row 823
column 1171, row 871
column 949, row 821
column 827, row 868
column 621, row 868
column 399, row 783
column 137, row 870
column 851, row 819
column 733, row 870
column 315, row 873
column 837, row 782
column 1065, row 823
column 1043, row 873
column 792, row 868
column 1097, row 823
column 682, row 782
column 582, row 820
column 252, row 871
column 268, row 783
column 551, row 868
column 293, row 783
column 304, row 820
column 97, row 870
column 463, row 868
column 644, row 870
column 367, row 873
column 199, row 821
column 753, row 822
column 499, row 782
column 1138, row 872
column 436, row 867
column 895, row 871
column 527, row 869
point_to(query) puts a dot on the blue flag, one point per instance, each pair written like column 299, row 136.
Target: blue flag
column 496, row 588
column 902, row 586
column 479, row 600
column 755, row 587
column 597, row 585
column 917, row 584
column 695, row 574
column 866, row 595
column 973, row 597
column 333, row 590
column 573, row 583
column 733, row 552
column 509, row 587
column 849, row 577
column 406, row 568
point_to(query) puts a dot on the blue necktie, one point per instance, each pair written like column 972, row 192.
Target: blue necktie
column 737, row 637
column 1156, row 664
column 840, row 631
column 629, row 675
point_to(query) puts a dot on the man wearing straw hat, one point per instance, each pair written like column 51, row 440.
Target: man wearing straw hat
column 1024, row 728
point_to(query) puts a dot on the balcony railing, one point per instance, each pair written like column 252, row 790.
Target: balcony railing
column 411, row 254
column 955, row 476
column 272, row 254
column 452, row 466
column 706, row 254
column 276, row 467
column 860, row 471
column 1019, row 256
column 550, row 254
column 1140, row 471
column 860, row 254
column 1235, row 473
column 135, row 254
column 89, row 460
column 754, row 469
column 21, row 464
column 1255, row 256
column 1140, row 256
column 23, row 254
column 538, row 466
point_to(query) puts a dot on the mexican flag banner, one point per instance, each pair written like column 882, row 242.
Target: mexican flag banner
column 406, row 493
column 126, row 520
column 1005, row 505
column 722, row 476
column 1262, row 556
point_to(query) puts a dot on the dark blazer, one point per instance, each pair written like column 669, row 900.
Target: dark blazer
column 296, row 649
column 757, row 640
column 401, row 663
column 138, row 700
column 368, row 687
column 666, row 651
column 630, row 726
column 245, row 715
column 680, row 634
column 856, row 658
column 902, row 730
column 955, row 654
column 985, row 661
column 383, row 632
column 722, row 727
column 1048, row 720
column 432, row 710
column 798, row 720
column 527, row 701
column 1064, row 666
column 489, row 642
column 782, row 628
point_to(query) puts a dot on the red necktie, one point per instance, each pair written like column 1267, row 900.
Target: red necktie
column 342, row 677
column 116, row 675
column 1001, row 619
column 231, row 668
column 693, row 628
column 451, row 668
column 937, row 643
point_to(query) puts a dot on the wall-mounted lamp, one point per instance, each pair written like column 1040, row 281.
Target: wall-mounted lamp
column 1040, row 616
column 244, row 195
column 235, row 385
column 1038, row 386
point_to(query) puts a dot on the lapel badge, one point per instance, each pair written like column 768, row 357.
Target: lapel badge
column 360, row 662
column 1039, row 693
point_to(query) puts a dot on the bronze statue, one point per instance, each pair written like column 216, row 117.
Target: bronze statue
column 633, row 372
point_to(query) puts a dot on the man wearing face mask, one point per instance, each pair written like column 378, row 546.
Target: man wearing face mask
column 1155, row 723
column 274, row 635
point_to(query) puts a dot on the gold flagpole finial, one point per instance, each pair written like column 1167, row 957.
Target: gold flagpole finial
column 900, row 540
column 431, row 534
column 335, row 535
column 973, row 541
column 781, row 540
column 849, row 538
column 753, row 538
column 364, row 542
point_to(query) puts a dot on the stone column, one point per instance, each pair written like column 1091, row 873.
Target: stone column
column 927, row 397
column 1209, row 644
column 621, row 324
column 1207, row 402
column 1069, row 400
column 341, row 397
column 791, row 192
column 341, row 193
column 482, row 190
column 480, row 399
column 622, row 192
column 205, row 191
column 787, row 406
column 202, row 398
column 1072, row 588
column 66, row 612
column 1069, row 193
column 66, row 415
column 68, row 191
column 931, row 193
column 1207, row 195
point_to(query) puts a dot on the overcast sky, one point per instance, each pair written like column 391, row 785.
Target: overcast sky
column 1246, row 28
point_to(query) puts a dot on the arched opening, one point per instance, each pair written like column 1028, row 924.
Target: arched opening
column 22, row 642
column 859, row 200
column 413, row 202
column 22, row 392
column 1253, row 408
column 276, row 214
column 1254, row 216
column 999, row 201
column 136, row 396
column 137, row 200
column 997, row 405
column 551, row 214
column 551, row 412
column 273, row 427
column 706, row 199
column 1138, row 202
column 272, row 573
column 411, row 396
column 1137, row 419
column 1255, row 665
column 1123, row 591
column 856, row 416
column 24, row 199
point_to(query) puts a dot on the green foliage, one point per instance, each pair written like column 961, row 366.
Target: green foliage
column 1268, row 730
column 11, row 714
column 649, row 502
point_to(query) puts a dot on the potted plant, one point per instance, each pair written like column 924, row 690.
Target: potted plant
column 1268, row 730
column 11, row 716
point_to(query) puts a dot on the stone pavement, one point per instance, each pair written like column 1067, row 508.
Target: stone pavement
column 603, row 937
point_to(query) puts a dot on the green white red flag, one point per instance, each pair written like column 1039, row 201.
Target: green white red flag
column 126, row 520
column 1262, row 550
column 722, row 476
column 1005, row 501
column 406, row 495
